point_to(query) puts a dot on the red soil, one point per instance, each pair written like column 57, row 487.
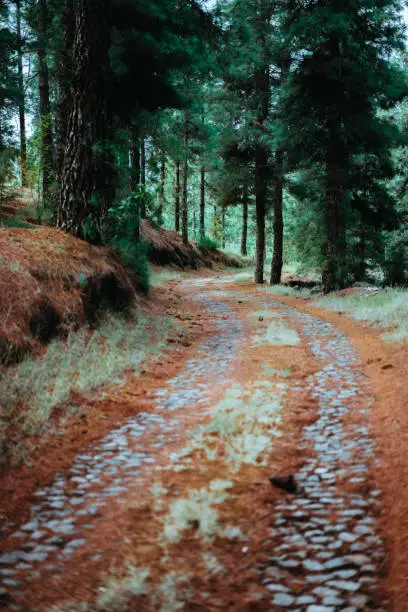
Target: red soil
column 133, row 531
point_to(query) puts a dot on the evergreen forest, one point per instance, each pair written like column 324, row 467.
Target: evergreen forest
column 272, row 128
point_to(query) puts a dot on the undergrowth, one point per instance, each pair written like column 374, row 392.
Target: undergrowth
column 386, row 310
column 78, row 366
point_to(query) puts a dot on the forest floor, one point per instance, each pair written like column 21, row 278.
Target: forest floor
column 160, row 498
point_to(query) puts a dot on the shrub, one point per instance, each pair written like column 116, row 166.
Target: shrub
column 123, row 234
column 208, row 243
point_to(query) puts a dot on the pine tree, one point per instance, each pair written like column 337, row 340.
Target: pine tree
column 84, row 173
column 342, row 74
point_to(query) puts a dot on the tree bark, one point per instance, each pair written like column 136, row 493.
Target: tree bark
column 261, row 160
column 134, row 159
column 277, row 259
column 47, row 156
column 21, row 106
column 262, row 90
column 162, row 186
column 143, row 175
column 177, row 188
column 223, row 227
column 202, row 202
column 184, row 202
column 64, row 78
column 278, row 226
column 87, row 172
column 244, row 248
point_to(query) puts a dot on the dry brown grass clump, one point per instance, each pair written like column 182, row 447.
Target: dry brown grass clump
column 166, row 247
column 50, row 284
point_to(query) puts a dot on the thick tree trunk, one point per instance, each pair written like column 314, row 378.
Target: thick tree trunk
column 277, row 259
column 143, row 175
column 177, row 188
column 134, row 160
column 202, row 202
column 47, row 155
column 244, row 248
column 64, row 78
column 184, row 201
column 162, row 186
column 21, row 106
column 86, row 172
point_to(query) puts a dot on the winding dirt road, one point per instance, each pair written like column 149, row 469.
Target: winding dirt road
column 180, row 491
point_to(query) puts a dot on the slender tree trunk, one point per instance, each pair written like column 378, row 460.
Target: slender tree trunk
column 215, row 222
column 244, row 249
column 261, row 160
column 21, row 106
column 184, row 202
column 47, row 157
column 277, row 259
column 177, row 188
column 143, row 175
column 202, row 202
column 262, row 90
column 64, row 78
column 223, row 227
column 134, row 159
column 162, row 186
column 362, row 253
column 87, row 173
column 278, row 226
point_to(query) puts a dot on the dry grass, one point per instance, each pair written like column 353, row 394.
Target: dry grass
column 386, row 309
column 32, row 389
column 166, row 247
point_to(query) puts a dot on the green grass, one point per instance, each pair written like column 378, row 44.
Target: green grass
column 81, row 365
column 386, row 310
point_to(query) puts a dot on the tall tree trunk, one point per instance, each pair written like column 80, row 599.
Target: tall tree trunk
column 64, row 78
column 21, row 105
column 223, row 227
column 143, row 175
column 87, row 172
column 262, row 91
column 202, row 202
column 177, row 188
column 162, row 186
column 334, row 250
column 47, row 156
column 244, row 248
column 261, row 160
column 184, row 201
column 134, row 159
column 277, row 259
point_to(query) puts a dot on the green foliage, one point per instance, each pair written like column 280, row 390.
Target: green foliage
column 205, row 242
column 123, row 234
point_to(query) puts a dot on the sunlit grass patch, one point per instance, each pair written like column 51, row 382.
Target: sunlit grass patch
column 117, row 592
column 278, row 335
column 197, row 511
column 244, row 423
column 160, row 277
column 385, row 309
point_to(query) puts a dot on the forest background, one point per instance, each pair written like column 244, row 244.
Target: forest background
column 276, row 129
